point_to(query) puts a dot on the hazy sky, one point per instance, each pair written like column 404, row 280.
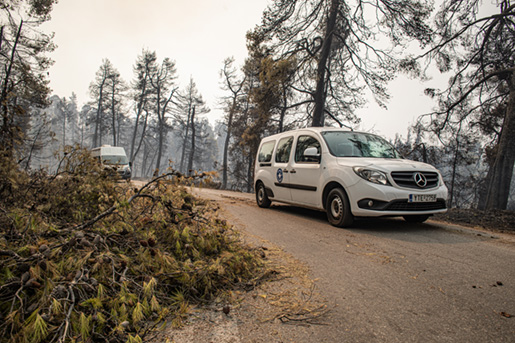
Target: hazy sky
column 198, row 35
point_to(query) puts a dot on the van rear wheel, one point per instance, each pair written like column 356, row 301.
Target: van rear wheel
column 261, row 196
column 338, row 208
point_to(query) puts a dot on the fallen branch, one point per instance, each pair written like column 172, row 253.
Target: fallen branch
column 66, row 322
column 138, row 194
column 304, row 315
column 81, row 273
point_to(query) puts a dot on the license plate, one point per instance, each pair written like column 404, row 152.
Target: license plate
column 422, row 198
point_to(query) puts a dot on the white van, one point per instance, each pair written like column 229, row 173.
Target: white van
column 114, row 157
column 347, row 174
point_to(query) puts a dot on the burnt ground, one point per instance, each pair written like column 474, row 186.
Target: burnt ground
column 492, row 220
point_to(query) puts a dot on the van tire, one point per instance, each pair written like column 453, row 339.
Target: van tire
column 261, row 196
column 338, row 208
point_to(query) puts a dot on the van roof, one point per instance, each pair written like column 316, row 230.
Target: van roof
column 108, row 149
column 311, row 129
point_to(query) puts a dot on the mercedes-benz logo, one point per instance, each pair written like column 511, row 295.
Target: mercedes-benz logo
column 420, row 179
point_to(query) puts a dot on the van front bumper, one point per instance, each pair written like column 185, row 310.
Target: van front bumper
column 124, row 174
column 371, row 200
column 401, row 205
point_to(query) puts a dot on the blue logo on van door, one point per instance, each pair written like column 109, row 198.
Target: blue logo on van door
column 279, row 175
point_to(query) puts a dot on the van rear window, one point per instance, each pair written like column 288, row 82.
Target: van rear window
column 282, row 155
column 265, row 154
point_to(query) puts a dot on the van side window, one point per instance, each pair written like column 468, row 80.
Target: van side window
column 303, row 143
column 282, row 154
column 265, row 153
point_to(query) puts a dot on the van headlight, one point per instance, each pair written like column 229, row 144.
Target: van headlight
column 372, row 175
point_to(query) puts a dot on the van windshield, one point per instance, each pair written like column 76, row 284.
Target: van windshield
column 114, row 159
column 356, row 144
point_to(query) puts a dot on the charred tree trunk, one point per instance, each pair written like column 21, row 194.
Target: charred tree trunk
column 454, row 167
column 97, row 136
column 134, row 133
column 161, row 113
column 250, row 169
column 226, row 145
column 143, row 131
column 501, row 172
column 320, row 92
column 113, row 112
column 160, row 144
column 7, row 134
column 192, row 152
column 140, row 106
column 64, row 127
column 283, row 110
column 185, row 142
column 160, row 131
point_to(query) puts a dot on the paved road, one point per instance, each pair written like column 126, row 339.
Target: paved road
column 393, row 281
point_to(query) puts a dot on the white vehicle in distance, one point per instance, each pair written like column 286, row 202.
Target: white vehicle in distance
column 114, row 157
column 347, row 174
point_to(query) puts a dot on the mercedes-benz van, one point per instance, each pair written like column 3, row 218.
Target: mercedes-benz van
column 114, row 157
column 347, row 174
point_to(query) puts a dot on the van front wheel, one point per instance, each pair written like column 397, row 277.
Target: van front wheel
column 261, row 197
column 338, row 208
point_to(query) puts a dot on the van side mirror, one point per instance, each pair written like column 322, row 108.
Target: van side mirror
column 311, row 152
column 312, row 155
column 130, row 164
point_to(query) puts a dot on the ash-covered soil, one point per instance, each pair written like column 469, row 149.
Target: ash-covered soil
column 494, row 220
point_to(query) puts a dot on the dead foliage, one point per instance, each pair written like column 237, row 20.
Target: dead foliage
column 84, row 258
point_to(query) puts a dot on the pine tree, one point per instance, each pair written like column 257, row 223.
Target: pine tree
column 23, row 66
column 99, row 92
column 478, row 50
column 144, row 69
column 190, row 104
column 163, row 84
column 234, row 85
column 335, row 45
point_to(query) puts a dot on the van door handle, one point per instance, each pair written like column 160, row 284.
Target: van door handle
column 293, row 171
column 285, row 171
